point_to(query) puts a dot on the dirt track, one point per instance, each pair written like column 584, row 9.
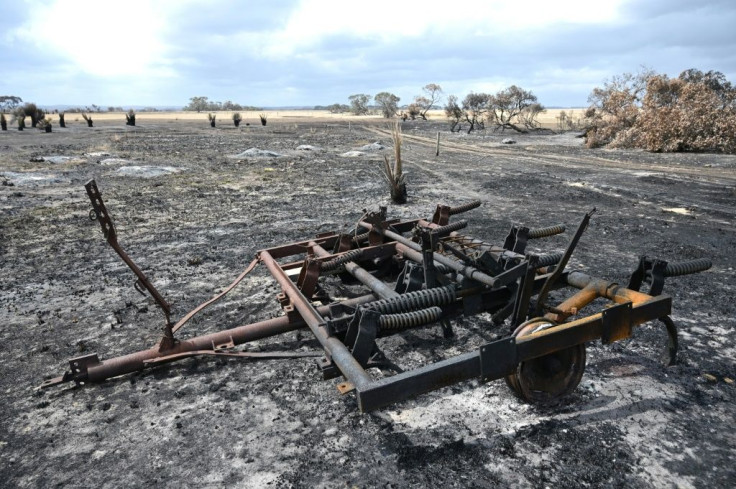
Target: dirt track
column 195, row 226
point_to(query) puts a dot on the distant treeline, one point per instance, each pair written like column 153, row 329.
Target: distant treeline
column 97, row 109
column 201, row 104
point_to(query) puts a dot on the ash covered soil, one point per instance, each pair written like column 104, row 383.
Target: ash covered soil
column 193, row 215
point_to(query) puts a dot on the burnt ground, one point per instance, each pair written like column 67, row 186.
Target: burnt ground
column 194, row 227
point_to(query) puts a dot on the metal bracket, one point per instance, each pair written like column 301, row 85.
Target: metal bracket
column 650, row 271
column 307, row 281
column 498, row 359
column 429, row 243
column 410, row 279
column 617, row 323
column 364, row 332
column 524, row 293
column 517, row 239
column 441, row 215
column 79, row 365
column 222, row 347
column 345, row 387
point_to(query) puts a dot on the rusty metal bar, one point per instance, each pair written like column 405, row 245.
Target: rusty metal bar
column 364, row 276
column 413, row 251
column 108, row 229
column 334, row 348
column 216, row 298
column 134, row 362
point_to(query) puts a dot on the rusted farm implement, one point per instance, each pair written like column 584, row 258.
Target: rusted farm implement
column 417, row 273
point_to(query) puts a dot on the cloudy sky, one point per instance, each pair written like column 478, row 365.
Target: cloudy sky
column 318, row 52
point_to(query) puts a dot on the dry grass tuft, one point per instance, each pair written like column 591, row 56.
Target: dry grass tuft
column 394, row 174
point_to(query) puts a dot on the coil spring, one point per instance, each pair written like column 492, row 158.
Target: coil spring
column 687, row 267
column 463, row 208
column 360, row 237
column 411, row 301
column 550, row 259
column 443, row 269
column 546, row 232
column 447, row 229
column 335, row 263
column 410, row 319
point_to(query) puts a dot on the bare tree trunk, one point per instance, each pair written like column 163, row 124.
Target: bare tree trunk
column 516, row 128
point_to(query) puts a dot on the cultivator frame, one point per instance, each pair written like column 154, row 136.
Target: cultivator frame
column 419, row 272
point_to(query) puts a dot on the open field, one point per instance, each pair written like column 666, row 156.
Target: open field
column 547, row 119
column 193, row 216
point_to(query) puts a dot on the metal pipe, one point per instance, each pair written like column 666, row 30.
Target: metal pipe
column 361, row 274
column 609, row 290
column 590, row 289
column 134, row 362
column 413, row 252
column 334, row 348
column 496, row 251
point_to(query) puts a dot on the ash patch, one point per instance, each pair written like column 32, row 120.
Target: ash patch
column 113, row 161
column 309, row 147
column 258, row 153
column 56, row 160
column 372, row 147
column 32, row 179
column 147, row 171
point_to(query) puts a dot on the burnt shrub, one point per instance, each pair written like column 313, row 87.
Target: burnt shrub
column 678, row 115
column 694, row 112
column 32, row 111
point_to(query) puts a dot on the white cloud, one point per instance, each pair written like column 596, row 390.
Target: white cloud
column 391, row 20
column 102, row 38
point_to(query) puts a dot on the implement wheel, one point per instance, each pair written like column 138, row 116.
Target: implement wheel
column 546, row 379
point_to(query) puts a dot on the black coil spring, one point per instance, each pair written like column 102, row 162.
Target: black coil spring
column 330, row 265
column 549, row 259
column 412, row 301
column 546, row 232
column 447, row 229
column 463, row 208
column 360, row 237
column 443, row 269
column 410, row 319
column 687, row 267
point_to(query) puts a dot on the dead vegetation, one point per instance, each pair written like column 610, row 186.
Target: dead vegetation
column 394, row 174
column 511, row 108
column 694, row 112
